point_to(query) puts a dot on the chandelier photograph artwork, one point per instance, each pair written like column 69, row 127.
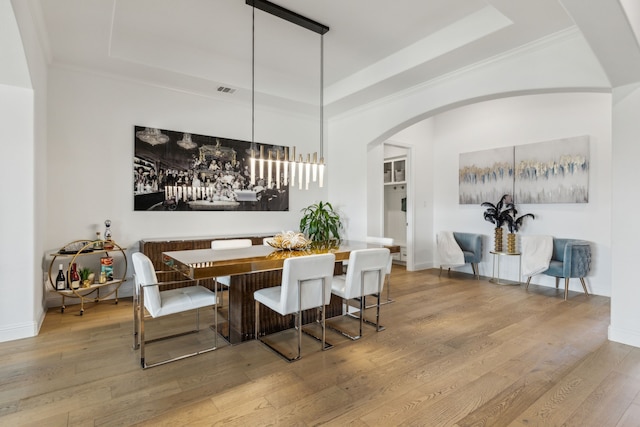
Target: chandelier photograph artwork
column 182, row 171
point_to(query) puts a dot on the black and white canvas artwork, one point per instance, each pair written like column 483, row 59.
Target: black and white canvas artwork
column 180, row 171
column 484, row 176
column 553, row 171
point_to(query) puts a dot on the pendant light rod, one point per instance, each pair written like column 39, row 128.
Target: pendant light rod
column 321, row 97
column 253, row 76
column 288, row 15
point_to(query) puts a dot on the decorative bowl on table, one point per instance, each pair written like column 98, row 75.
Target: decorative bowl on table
column 289, row 240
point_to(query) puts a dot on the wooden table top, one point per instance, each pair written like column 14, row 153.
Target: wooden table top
column 207, row 263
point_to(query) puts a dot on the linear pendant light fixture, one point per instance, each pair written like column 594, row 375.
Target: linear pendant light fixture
column 311, row 169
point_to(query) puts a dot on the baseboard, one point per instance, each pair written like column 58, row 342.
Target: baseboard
column 18, row 331
column 624, row 336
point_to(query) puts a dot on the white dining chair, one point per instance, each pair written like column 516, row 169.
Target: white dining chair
column 386, row 241
column 306, row 284
column 225, row 281
column 365, row 276
column 157, row 303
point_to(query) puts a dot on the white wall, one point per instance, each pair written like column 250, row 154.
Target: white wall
column 525, row 120
column 91, row 137
column 17, row 317
column 625, row 316
column 565, row 63
column 88, row 158
column 23, row 122
column 418, row 144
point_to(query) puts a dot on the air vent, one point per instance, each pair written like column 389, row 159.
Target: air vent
column 224, row 89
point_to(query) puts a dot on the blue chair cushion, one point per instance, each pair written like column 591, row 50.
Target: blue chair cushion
column 570, row 258
column 471, row 245
column 469, row 256
column 555, row 269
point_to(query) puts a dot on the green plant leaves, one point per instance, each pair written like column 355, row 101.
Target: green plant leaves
column 320, row 222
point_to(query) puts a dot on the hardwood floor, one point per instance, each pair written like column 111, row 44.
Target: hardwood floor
column 456, row 351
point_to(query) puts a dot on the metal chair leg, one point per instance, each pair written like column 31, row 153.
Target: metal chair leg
column 142, row 340
column 584, row 286
column 528, row 281
column 566, row 288
column 136, row 319
column 257, row 332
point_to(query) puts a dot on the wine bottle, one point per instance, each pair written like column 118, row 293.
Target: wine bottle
column 75, row 277
column 61, row 283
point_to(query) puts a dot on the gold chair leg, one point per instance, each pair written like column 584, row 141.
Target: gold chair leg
column 584, row 286
column 566, row 288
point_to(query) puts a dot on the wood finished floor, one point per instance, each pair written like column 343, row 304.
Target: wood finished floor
column 456, row 352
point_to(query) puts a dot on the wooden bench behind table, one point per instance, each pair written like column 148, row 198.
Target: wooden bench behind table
column 242, row 308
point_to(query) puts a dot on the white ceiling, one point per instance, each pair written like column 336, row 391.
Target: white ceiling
column 374, row 48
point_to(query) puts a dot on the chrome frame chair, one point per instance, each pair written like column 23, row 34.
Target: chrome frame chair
column 175, row 301
column 226, row 280
column 365, row 276
column 301, row 278
column 386, row 241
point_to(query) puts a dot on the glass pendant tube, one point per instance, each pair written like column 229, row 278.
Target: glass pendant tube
column 314, row 167
column 293, row 167
column 269, row 171
column 307, row 171
column 300, row 165
column 285, row 164
column 252, row 163
column 261, row 163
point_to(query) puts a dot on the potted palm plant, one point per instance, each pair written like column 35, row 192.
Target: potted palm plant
column 498, row 215
column 321, row 223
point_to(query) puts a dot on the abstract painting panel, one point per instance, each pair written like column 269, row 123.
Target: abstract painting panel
column 485, row 176
column 553, row 171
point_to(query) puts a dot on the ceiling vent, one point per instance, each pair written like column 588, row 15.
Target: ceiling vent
column 224, row 89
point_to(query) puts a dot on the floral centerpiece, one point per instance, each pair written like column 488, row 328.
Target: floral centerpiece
column 290, row 240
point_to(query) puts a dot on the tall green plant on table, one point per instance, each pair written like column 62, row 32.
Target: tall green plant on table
column 321, row 223
column 498, row 215
column 514, row 223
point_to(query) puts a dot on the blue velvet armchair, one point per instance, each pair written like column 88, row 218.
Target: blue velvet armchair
column 570, row 258
column 471, row 245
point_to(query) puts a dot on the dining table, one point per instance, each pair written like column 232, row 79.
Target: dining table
column 253, row 268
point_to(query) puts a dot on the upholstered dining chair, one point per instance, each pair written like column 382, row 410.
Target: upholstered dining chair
column 570, row 258
column 386, row 241
column 158, row 303
column 365, row 276
column 306, row 284
column 228, row 244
